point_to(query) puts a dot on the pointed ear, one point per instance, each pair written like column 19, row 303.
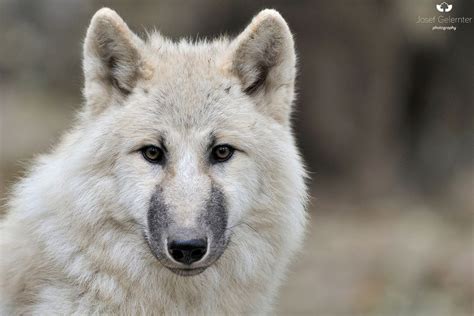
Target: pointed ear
column 111, row 59
column 263, row 58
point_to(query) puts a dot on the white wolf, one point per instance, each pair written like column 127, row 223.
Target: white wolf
column 180, row 189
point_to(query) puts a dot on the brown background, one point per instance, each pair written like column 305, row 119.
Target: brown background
column 385, row 120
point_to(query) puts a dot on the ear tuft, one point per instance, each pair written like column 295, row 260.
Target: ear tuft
column 263, row 58
column 111, row 57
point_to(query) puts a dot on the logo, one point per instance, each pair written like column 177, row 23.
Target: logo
column 444, row 7
column 444, row 22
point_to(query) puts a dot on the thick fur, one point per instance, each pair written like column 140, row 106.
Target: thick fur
column 74, row 240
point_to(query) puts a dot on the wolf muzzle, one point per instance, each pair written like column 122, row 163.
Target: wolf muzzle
column 188, row 250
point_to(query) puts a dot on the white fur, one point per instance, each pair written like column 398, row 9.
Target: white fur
column 72, row 242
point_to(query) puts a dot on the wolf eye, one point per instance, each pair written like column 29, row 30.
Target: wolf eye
column 152, row 153
column 222, row 153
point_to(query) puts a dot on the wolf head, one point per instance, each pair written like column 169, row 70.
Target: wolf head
column 194, row 137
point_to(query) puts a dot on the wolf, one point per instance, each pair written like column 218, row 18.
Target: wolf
column 179, row 190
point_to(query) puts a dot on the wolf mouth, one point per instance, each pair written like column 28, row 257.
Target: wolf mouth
column 187, row 272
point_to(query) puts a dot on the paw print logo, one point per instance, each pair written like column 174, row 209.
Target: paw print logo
column 444, row 7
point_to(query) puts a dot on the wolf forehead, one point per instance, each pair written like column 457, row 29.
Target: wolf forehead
column 196, row 66
column 189, row 78
column 187, row 86
column 189, row 104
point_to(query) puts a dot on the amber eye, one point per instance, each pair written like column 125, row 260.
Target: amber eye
column 222, row 153
column 152, row 153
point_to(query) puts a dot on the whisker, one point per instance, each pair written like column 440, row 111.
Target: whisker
column 246, row 224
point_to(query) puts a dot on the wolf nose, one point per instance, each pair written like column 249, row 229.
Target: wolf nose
column 187, row 251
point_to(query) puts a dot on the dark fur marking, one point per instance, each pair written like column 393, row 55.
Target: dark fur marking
column 162, row 144
column 158, row 221
column 112, row 65
column 215, row 215
column 212, row 141
column 259, row 81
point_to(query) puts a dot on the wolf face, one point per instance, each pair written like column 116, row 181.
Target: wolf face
column 188, row 132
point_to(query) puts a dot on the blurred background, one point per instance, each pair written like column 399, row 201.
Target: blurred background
column 385, row 121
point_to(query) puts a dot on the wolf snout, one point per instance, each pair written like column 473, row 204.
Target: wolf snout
column 187, row 251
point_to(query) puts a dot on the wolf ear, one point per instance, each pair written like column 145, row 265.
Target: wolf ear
column 263, row 58
column 111, row 59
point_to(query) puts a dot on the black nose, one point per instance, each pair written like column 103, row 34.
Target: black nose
column 187, row 251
